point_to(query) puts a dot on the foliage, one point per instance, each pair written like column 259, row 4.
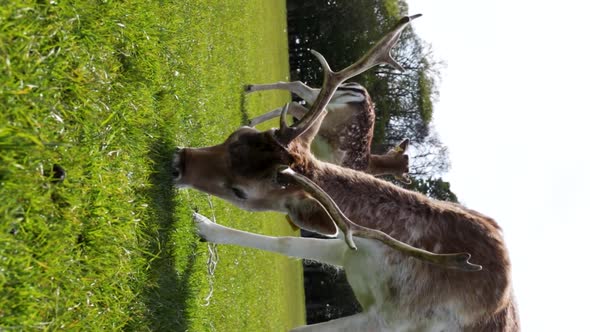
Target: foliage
column 429, row 157
column 327, row 293
column 424, row 92
column 391, row 7
column 106, row 89
column 435, row 188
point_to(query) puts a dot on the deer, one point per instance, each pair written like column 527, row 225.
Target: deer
column 346, row 132
column 406, row 256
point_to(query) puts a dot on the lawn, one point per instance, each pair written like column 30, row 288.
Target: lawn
column 106, row 90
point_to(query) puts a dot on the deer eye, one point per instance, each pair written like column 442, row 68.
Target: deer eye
column 239, row 193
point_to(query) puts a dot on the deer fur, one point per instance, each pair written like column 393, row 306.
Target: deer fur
column 397, row 292
column 346, row 133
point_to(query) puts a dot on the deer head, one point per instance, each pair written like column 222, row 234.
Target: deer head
column 244, row 170
column 394, row 162
column 250, row 168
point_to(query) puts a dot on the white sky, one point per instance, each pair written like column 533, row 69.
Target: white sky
column 514, row 112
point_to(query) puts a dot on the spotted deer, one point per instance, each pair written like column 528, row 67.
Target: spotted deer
column 403, row 253
column 346, row 132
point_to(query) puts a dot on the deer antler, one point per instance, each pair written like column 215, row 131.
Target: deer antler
column 319, row 194
column 379, row 54
column 459, row 261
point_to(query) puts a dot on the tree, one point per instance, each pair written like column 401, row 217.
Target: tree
column 429, row 157
column 435, row 188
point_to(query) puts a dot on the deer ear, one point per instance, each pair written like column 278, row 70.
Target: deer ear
column 404, row 144
column 307, row 213
column 400, row 148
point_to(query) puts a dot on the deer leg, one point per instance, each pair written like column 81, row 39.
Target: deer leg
column 265, row 117
column 295, row 110
column 325, row 251
column 297, row 87
column 308, row 94
column 364, row 321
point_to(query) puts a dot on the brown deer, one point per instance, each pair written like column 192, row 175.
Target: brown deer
column 400, row 287
column 345, row 134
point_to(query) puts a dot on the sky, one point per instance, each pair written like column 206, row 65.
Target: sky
column 513, row 110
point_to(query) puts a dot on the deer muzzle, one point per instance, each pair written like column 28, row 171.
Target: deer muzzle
column 177, row 164
column 204, row 169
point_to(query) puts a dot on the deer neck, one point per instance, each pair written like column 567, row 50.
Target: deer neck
column 359, row 195
column 381, row 164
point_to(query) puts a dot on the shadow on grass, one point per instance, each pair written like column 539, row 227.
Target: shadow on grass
column 167, row 292
column 243, row 111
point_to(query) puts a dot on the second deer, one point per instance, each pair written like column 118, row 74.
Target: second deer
column 346, row 133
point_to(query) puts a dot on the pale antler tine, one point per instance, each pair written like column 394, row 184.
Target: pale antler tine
column 394, row 64
column 283, row 121
column 380, row 52
column 325, row 66
column 405, row 179
column 326, row 201
column 459, row 261
column 330, row 84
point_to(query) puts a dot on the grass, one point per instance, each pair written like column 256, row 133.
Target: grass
column 106, row 90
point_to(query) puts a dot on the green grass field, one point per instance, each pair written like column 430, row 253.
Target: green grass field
column 106, row 90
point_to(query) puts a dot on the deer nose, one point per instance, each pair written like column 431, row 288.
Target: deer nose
column 177, row 163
